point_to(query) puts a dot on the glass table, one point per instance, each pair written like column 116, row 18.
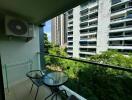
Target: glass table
column 54, row 80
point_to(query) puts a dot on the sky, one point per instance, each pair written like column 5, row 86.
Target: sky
column 47, row 29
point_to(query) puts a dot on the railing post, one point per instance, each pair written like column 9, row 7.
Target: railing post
column 2, row 92
column 41, row 41
column 31, row 64
column 6, row 73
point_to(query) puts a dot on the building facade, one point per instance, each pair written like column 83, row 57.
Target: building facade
column 58, row 30
column 97, row 26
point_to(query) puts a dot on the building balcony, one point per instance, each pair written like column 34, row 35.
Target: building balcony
column 88, row 52
column 91, row 20
column 84, row 18
column 70, row 11
column 120, row 20
column 121, row 37
column 121, row 11
column 74, row 86
column 120, row 47
column 120, row 2
column 93, row 12
column 84, row 12
column 21, row 91
column 70, row 30
column 69, row 41
column 121, row 29
column 93, row 5
column 70, row 46
column 70, row 35
column 87, row 34
column 92, row 39
column 70, row 51
column 70, row 25
column 88, row 27
column 88, row 46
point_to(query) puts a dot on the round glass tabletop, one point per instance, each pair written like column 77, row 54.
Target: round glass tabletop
column 55, row 78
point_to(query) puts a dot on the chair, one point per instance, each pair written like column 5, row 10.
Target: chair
column 36, row 77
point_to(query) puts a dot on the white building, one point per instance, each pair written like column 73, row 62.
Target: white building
column 58, row 31
column 97, row 26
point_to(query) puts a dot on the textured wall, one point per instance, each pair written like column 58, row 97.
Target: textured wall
column 16, row 57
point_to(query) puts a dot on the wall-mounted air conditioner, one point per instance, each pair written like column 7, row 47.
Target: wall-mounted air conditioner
column 18, row 27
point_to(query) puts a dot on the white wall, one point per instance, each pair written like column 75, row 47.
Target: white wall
column 15, row 55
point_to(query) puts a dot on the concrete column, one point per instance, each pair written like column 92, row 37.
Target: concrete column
column 76, row 32
column 103, row 25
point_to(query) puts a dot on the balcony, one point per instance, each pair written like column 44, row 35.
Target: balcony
column 121, row 11
column 84, row 12
column 93, row 11
column 86, row 34
column 87, row 43
column 70, row 12
column 87, row 53
column 21, row 91
column 84, row 18
column 93, row 16
column 99, row 76
column 121, row 44
column 69, row 49
column 86, row 78
column 126, row 26
column 119, row 20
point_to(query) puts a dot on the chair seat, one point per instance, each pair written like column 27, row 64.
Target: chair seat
column 38, row 82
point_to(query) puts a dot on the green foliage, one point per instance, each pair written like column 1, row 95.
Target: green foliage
column 95, row 82
column 113, row 58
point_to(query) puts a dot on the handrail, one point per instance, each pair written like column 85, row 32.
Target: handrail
column 95, row 63
column 21, row 63
column 6, row 69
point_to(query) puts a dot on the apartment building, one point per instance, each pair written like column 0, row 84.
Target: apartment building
column 58, row 30
column 99, row 25
column 120, row 34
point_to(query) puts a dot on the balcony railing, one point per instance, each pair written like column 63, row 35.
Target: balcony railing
column 114, row 44
column 95, row 80
column 122, row 18
column 114, row 28
column 119, row 36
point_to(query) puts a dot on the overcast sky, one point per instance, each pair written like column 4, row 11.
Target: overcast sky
column 47, row 29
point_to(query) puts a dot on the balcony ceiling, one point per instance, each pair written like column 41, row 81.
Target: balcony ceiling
column 37, row 11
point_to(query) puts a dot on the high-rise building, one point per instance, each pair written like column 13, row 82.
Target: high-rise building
column 120, row 34
column 58, row 30
column 99, row 25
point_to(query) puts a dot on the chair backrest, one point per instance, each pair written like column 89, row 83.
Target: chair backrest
column 35, row 74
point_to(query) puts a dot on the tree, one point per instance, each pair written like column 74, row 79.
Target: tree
column 47, row 44
column 112, row 57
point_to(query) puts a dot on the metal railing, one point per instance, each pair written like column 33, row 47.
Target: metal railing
column 9, row 66
column 95, row 63
column 85, row 76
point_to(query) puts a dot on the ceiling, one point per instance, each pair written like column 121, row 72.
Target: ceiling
column 37, row 11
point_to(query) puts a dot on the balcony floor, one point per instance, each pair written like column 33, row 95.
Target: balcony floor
column 21, row 92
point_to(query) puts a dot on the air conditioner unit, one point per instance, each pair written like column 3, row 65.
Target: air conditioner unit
column 18, row 27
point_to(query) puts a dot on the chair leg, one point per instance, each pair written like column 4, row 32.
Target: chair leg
column 48, row 96
column 56, row 96
column 36, row 93
column 31, row 88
